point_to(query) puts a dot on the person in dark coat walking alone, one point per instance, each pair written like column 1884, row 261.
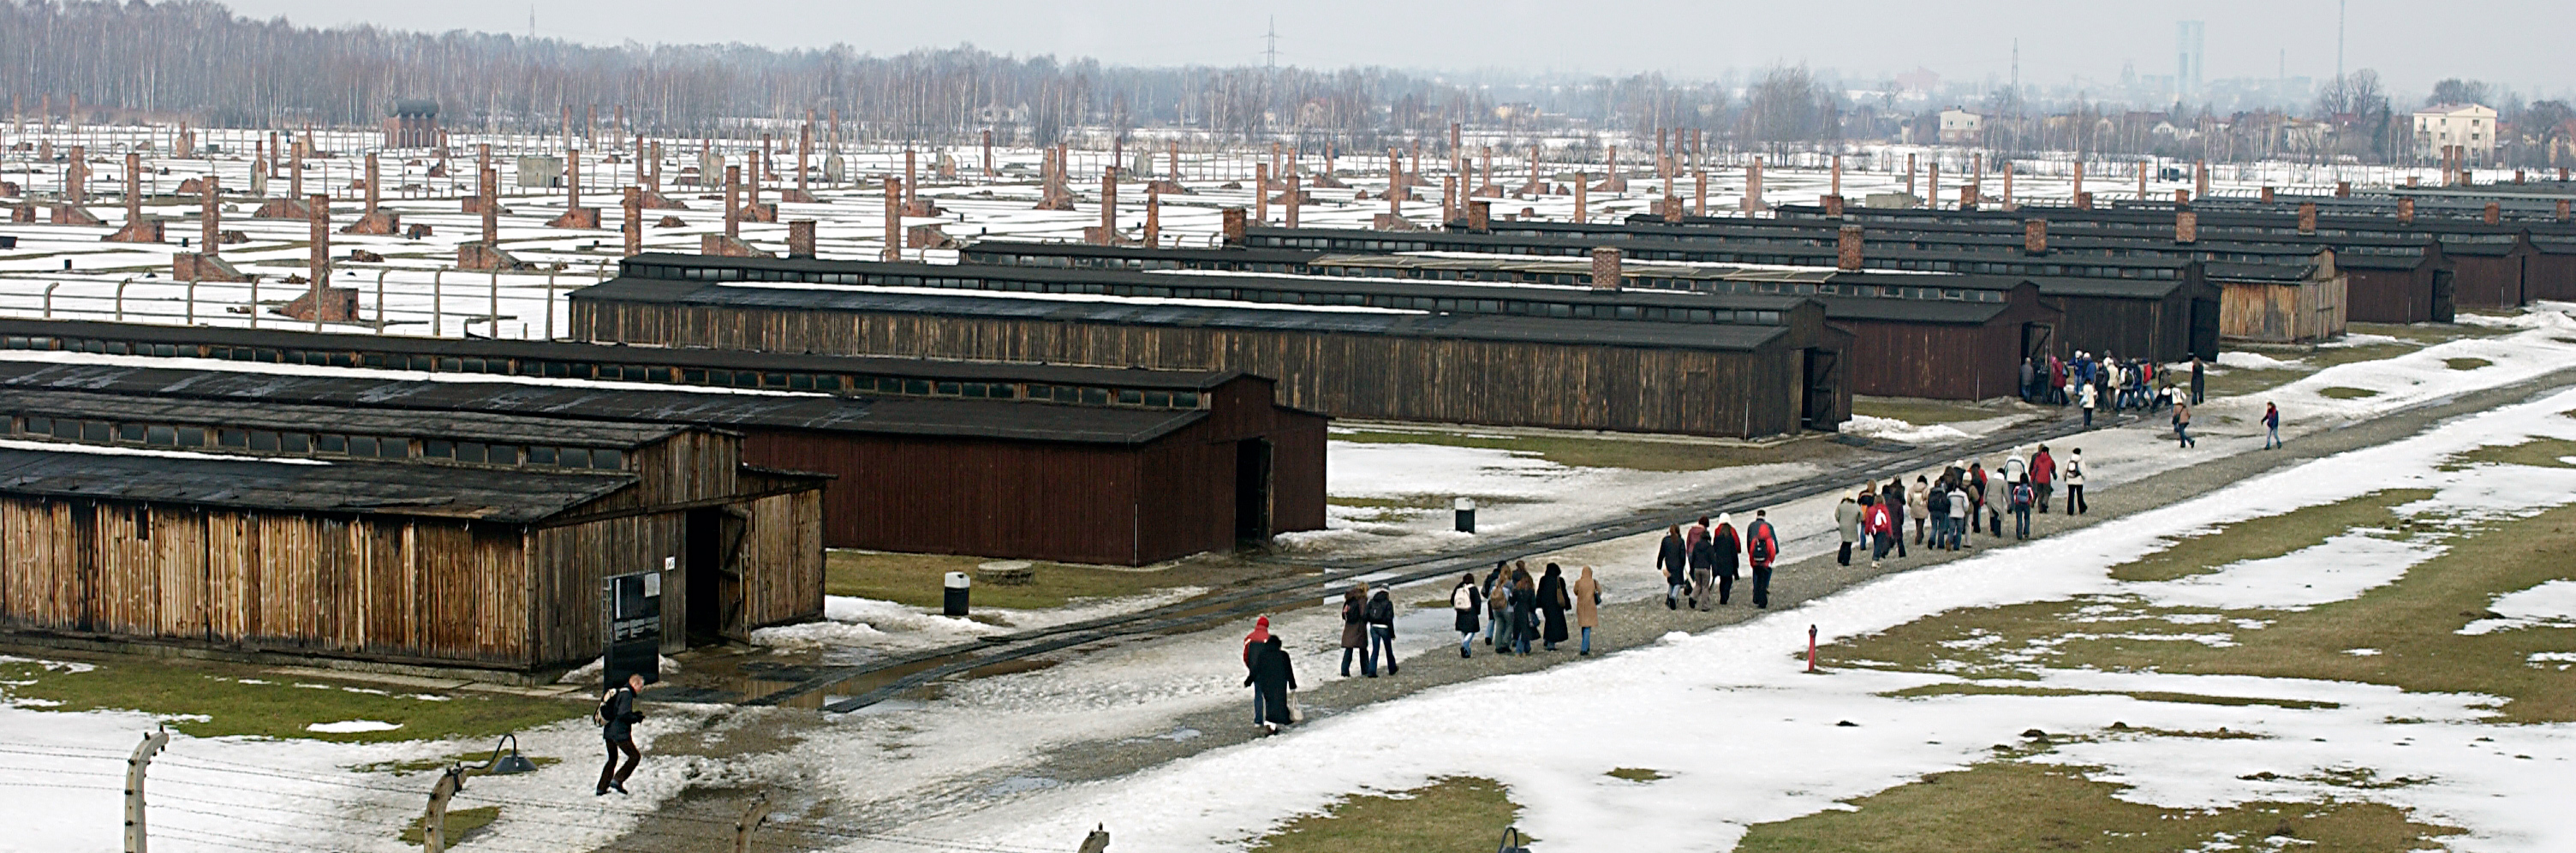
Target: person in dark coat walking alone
column 1552, row 604
column 1271, row 681
column 617, row 719
column 1761, row 546
column 1467, row 600
column 1672, row 558
column 1355, row 639
column 1381, row 619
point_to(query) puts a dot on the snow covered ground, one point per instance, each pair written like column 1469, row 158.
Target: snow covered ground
column 1747, row 738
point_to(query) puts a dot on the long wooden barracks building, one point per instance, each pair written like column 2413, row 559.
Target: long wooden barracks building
column 435, row 540
column 1006, row 460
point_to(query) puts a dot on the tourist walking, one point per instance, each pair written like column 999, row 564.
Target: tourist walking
column 1880, row 523
column 1761, row 546
column 1381, row 618
column 1552, row 604
column 2074, row 479
column 1703, row 561
column 1977, row 504
column 1587, row 608
column 1672, row 558
column 1355, row 633
column 2043, row 476
column 2022, row 497
column 1917, row 505
column 2182, row 426
column 1252, row 641
column 1847, row 520
column 1730, row 547
column 1493, row 594
column 2199, row 379
column 1524, row 610
column 1958, row 515
column 2086, row 400
column 1466, row 601
column 2271, row 426
column 1891, row 498
column 1936, row 503
column 1271, row 681
column 617, row 718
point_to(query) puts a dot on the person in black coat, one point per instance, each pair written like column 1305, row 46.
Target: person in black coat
column 1524, row 615
column 617, row 718
column 1730, row 550
column 1271, row 680
column 1552, row 603
column 1381, row 627
column 1673, row 558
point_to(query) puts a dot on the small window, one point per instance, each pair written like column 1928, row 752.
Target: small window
column 1158, row 399
column 161, row 436
column 98, row 431
column 130, row 433
column 541, row 455
column 471, row 451
column 436, row 449
column 606, row 459
column 573, row 457
column 232, row 438
column 331, row 443
column 801, row 381
column 1095, row 396
column 362, row 445
column 39, row 426
column 143, row 523
column 1186, row 399
column 263, row 440
column 949, row 389
column 192, row 437
column 1130, row 397
column 295, row 442
column 504, row 454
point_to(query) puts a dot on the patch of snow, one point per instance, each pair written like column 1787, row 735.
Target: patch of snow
column 2343, row 567
column 108, row 450
column 352, row 727
column 589, row 672
column 2549, row 605
column 1892, row 429
column 2362, row 653
column 2255, row 361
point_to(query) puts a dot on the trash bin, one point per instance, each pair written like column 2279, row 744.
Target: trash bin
column 954, row 603
column 1466, row 515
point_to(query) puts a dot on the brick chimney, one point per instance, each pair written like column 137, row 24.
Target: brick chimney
column 2007, row 169
column 1833, row 205
column 634, row 225
column 2186, row 227
column 1753, row 187
column 2308, row 217
column 1847, row 249
column 2080, row 199
column 1153, row 217
column 2083, row 201
column 1108, row 205
column 1582, row 197
column 2562, row 208
column 2494, row 213
column 1480, row 216
column 213, row 229
column 800, row 238
column 2034, row 236
column 2406, row 211
column 2343, row 189
column 1909, row 174
column 2267, row 195
column 320, row 207
column 2182, row 197
column 1605, row 268
column 733, row 200
column 1261, row 192
column 893, row 250
column 1699, row 192
column 1296, row 197
column 1234, row 226
column 1837, row 169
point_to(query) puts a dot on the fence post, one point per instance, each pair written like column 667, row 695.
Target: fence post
column 496, row 305
column 120, row 299
column 49, row 299
column 380, row 301
column 433, row 823
column 254, row 301
column 752, row 816
column 550, row 305
column 136, row 839
column 437, row 318
column 192, row 303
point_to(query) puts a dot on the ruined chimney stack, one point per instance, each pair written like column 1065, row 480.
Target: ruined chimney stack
column 1234, row 227
column 2034, row 236
column 2308, row 217
column 1847, row 245
column 1480, row 216
column 2405, row 211
column 633, row 227
column 2186, row 227
column 893, row 250
column 2494, row 213
column 800, row 238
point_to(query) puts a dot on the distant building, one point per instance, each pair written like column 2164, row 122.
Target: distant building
column 1961, row 127
column 412, row 124
column 2188, row 58
column 2470, row 126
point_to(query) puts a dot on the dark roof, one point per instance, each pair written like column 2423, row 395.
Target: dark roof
column 468, row 426
column 1004, row 252
column 588, row 401
column 1659, row 247
column 497, row 494
column 1282, row 318
column 592, row 353
column 1911, row 310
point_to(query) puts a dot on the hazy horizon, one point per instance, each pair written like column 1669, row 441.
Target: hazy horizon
column 2508, row 43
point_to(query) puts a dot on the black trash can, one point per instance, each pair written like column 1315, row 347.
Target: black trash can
column 954, row 602
column 1466, row 515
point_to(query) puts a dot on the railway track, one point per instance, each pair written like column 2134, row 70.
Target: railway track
column 862, row 685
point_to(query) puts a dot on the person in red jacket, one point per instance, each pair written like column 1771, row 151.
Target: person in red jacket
column 1761, row 546
column 2043, row 471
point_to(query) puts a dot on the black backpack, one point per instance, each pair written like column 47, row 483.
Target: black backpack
column 1938, row 503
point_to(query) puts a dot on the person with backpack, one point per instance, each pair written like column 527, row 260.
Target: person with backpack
column 2075, row 504
column 1467, row 600
column 2043, row 476
column 1381, row 621
column 616, row 716
column 1761, row 546
column 2271, row 425
column 1976, row 483
column 1703, row 560
column 1272, row 680
column 2022, row 497
column 1879, row 524
column 1355, row 631
column 1524, row 611
column 1916, row 504
column 1730, row 548
column 1891, row 498
column 1936, row 503
column 1494, row 594
column 1672, row 557
column 1958, row 515
column 1587, row 608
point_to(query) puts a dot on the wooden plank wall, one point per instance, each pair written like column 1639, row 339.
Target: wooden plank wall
column 1015, row 499
column 2390, row 296
column 782, row 560
column 2551, row 276
column 570, row 563
column 405, row 589
column 1565, row 385
column 2283, row 313
column 2486, row 281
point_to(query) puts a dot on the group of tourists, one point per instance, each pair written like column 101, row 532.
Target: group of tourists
column 2090, row 382
column 1965, row 498
column 1700, row 565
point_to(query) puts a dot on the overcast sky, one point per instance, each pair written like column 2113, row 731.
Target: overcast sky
column 2521, row 43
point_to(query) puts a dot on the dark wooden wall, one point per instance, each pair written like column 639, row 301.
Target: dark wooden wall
column 2551, row 276
column 2391, row 295
column 2127, row 328
column 2487, row 281
column 1566, row 385
column 1028, row 500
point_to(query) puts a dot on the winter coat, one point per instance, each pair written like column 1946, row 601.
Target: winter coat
column 2087, row 398
column 1893, row 498
column 1524, row 611
column 2043, row 469
column 1552, row 603
column 2271, row 418
column 1977, row 485
column 1274, row 678
column 618, row 712
column 1937, row 504
column 1916, row 497
column 1879, row 521
column 1587, row 601
column 1381, row 612
column 1498, row 598
column 2014, row 470
column 1761, row 546
column 2075, row 471
column 1468, row 602
column 1958, row 503
column 1354, row 620
column 1692, row 535
column 1673, row 560
column 1847, row 517
column 1728, row 547
column 1703, row 554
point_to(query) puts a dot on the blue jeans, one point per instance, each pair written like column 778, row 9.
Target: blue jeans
column 1260, row 710
column 1587, row 641
column 2271, row 437
column 1381, row 646
column 2021, row 522
column 1368, row 660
